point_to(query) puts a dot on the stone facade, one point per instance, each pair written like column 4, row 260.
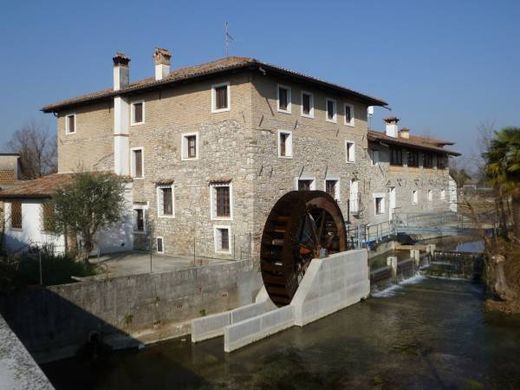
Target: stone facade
column 239, row 145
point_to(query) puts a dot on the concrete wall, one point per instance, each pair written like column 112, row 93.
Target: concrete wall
column 54, row 322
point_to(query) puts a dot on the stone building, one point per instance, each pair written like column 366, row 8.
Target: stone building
column 212, row 147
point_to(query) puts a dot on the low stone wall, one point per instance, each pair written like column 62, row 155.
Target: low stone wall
column 55, row 322
column 18, row 370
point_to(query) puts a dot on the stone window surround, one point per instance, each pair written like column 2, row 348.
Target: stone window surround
column 289, row 98
column 143, row 207
column 352, row 122
column 157, row 244
column 442, row 194
column 289, row 147
column 132, row 112
column 213, row 201
column 217, row 245
column 184, row 146
column 132, row 162
column 379, row 195
column 160, row 212
column 67, row 130
column 350, row 152
column 415, row 197
column 337, row 187
column 214, row 97
column 311, row 102
column 430, row 195
column 335, row 116
column 312, row 178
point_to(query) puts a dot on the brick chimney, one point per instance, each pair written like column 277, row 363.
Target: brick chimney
column 162, row 59
column 121, row 72
column 391, row 126
column 404, row 133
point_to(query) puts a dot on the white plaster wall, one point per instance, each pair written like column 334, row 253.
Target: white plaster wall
column 452, row 193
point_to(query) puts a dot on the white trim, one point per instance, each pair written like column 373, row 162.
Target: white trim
column 288, row 147
column 215, row 240
column 134, row 224
column 311, row 102
column 184, row 146
column 160, row 212
column 214, row 99
column 132, row 112
column 352, row 114
column 297, row 179
column 289, row 98
column 157, row 246
column 429, row 195
column 337, row 188
column 213, row 199
column 351, row 160
column 335, row 117
column 415, row 197
column 67, row 130
column 382, row 196
column 132, row 162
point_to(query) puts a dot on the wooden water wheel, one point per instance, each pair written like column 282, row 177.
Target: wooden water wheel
column 301, row 226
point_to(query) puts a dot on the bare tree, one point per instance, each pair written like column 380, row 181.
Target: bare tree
column 37, row 148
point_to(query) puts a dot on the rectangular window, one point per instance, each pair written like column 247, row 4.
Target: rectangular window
column 139, row 218
column 430, row 195
column 222, row 239
column 137, row 113
column 70, row 124
column 47, row 216
column 306, row 184
column 331, row 110
column 379, row 203
column 350, row 151
column 285, row 143
column 415, row 197
column 190, row 146
column 160, row 245
column 349, row 114
column 165, row 201
column 284, row 98
column 307, row 104
column 220, row 98
column 428, row 160
column 16, row 215
column 221, row 200
column 374, row 153
column 396, row 156
column 413, row 158
column 442, row 161
column 137, row 163
column 332, row 188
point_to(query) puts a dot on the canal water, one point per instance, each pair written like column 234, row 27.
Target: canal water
column 425, row 334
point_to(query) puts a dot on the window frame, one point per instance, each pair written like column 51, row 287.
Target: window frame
column 160, row 200
column 214, row 87
column 218, row 245
column 398, row 151
column 352, row 122
column 335, row 117
column 144, row 208
column 373, row 153
column 132, row 162
column 310, row 178
column 381, row 196
column 132, row 113
column 185, row 146
column 411, row 152
column 415, row 197
column 67, row 129
column 337, row 187
column 157, row 244
column 311, row 104
column 347, row 154
column 429, row 195
column 290, row 138
column 213, row 201
column 289, row 99
column 11, row 227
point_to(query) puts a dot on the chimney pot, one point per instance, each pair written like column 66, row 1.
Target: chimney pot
column 391, row 126
column 162, row 58
column 404, row 133
column 121, row 71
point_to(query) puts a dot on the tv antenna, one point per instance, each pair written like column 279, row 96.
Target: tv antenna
column 227, row 37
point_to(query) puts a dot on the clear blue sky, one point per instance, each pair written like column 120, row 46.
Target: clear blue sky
column 444, row 66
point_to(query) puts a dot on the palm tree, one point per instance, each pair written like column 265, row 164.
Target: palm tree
column 502, row 170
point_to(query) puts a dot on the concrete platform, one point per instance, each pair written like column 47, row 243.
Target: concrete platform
column 330, row 284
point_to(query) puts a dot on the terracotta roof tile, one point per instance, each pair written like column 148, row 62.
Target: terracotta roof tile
column 419, row 142
column 197, row 71
column 42, row 187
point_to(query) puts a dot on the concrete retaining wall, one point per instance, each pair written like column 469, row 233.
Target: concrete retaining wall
column 54, row 322
column 18, row 370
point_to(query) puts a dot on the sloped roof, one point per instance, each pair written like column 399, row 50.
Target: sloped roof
column 417, row 142
column 222, row 65
column 42, row 187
